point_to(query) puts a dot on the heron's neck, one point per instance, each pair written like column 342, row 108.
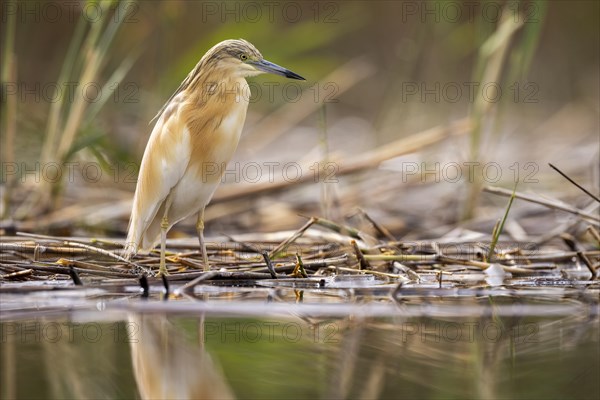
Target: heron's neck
column 224, row 91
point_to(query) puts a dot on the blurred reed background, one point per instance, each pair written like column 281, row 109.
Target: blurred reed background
column 400, row 97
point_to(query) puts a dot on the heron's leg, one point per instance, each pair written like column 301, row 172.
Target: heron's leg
column 200, row 230
column 164, row 227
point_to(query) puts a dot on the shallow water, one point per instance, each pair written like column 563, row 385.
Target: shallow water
column 345, row 340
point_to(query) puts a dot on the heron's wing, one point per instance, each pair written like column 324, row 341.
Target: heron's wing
column 165, row 161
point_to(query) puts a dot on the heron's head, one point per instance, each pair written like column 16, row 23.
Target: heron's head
column 241, row 58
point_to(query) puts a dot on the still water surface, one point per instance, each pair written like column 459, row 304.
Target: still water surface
column 313, row 343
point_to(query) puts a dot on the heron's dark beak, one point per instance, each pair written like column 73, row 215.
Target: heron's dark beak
column 270, row 68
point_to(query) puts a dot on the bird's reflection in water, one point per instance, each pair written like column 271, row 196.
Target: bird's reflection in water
column 166, row 365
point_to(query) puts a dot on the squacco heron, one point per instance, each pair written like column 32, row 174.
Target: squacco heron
column 197, row 131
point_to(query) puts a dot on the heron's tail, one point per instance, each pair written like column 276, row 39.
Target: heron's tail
column 141, row 238
column 132, row 243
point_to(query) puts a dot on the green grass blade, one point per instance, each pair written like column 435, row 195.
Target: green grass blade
column 106, row 93
column 56, row 109
column 498, row 231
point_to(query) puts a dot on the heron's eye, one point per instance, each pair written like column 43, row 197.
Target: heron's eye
column 243, row 57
